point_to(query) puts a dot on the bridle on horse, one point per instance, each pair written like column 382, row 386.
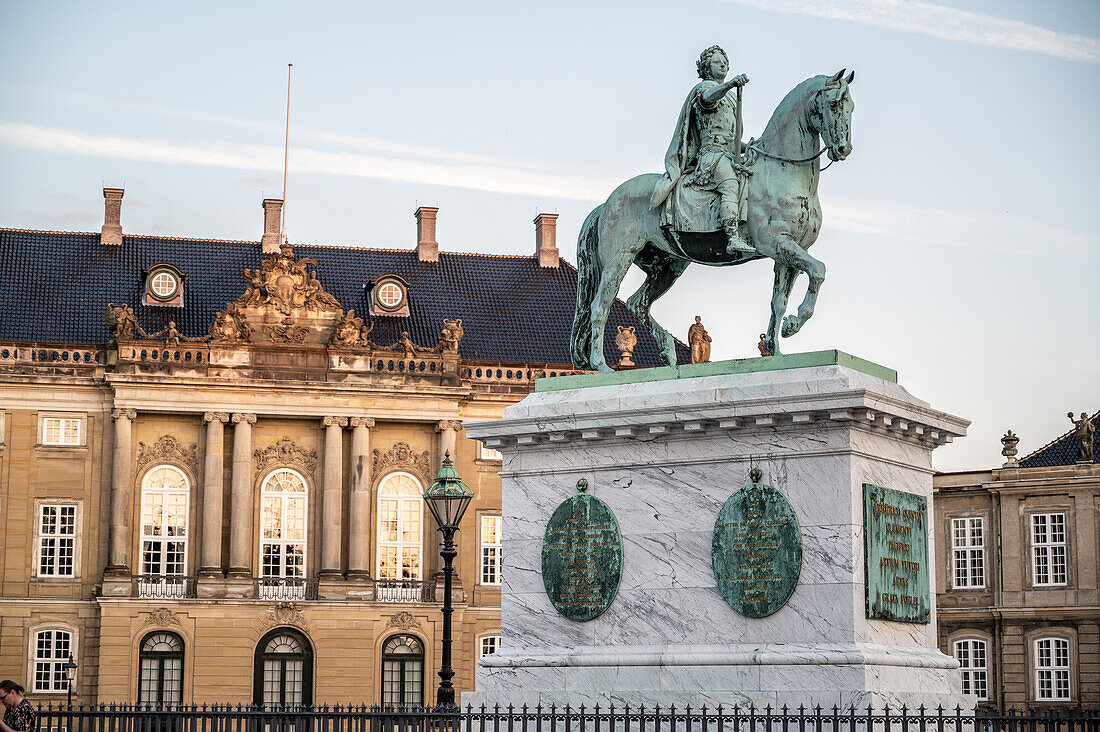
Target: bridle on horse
column 753, row 146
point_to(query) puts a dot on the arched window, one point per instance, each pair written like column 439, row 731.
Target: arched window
column 402, row 671
column 284, row 669
column 283, row 524
column 161, row 679
column 165, row 495
column 400, row 527
column 974, row 665
column 52, row 648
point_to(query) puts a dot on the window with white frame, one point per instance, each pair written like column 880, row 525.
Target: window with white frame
column 56, row 540
column 165, row 495
column 1048, row 548
column 400, row 521
column 974, row 665
column 968, row 551
column 489, row 644
column 51, row 650
column 488, row 453
column 1052, row 669
column 66, row 431
column 283, row 508
column 490, row 550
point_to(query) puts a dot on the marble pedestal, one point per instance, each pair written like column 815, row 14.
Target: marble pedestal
column 665, row 454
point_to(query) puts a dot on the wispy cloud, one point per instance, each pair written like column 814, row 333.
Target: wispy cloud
column 403, row 163
column 943, row 22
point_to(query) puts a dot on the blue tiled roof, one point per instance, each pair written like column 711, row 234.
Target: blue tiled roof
column 1062, row 451
column 55, row 288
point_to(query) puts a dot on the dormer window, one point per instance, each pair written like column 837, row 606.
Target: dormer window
column 163, row 286
column 389, row 296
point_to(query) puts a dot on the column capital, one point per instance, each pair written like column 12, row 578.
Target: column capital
column 361, row 421
column 335, row 421
column 239, row 417
column 130, row 414
column 448, row 424
column 222, row 417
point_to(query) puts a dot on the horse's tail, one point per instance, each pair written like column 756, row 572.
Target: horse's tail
column 588, row 282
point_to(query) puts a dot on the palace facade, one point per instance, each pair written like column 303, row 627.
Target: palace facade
column 1018, row 591
column 212, row 455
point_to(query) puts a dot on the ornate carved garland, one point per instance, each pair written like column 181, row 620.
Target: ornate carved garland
column 285, row 452
column 163, row 617
column 284, row 614
column 168, row 448
column 402, row 455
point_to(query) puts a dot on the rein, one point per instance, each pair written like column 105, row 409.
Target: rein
column 815, row 156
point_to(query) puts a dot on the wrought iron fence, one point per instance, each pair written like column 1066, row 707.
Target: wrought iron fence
column 239, row 718
column 404, row 591
column 286, row 589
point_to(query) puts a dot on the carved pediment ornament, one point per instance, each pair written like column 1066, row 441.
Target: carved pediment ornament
column 401, row 455
column 168, row 448
column 284, row 452
column 284, row 613
column 230, row 326
column 403, row 621
column 162, row 617
column 286, row 332
column 288, row 284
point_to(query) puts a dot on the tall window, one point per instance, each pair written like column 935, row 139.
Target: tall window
column 165, row 494
column 61, row 430
column 56, row 540
column 161, row 679
column 51, row 651
column 974, row 666
column 400, row 521
column 490, row 550
column 1052, row 669
column 489, row 644
column 402, row 672
column 284, row 669
column 283, row 524
column 968, row 549
column 1048, row 548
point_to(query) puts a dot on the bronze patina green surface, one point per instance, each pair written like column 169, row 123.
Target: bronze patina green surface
column 720, row 368
column 895, row 541
column 757, row 550
column 582, row 557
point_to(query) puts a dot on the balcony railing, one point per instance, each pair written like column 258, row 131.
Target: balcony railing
column 404, row 591
column 164, row 586
column 287, row 589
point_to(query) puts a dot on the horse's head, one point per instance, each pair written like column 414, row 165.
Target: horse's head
column 832, row 115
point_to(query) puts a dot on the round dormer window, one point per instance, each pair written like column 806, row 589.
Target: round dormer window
column 391, row 295
column 164, row 285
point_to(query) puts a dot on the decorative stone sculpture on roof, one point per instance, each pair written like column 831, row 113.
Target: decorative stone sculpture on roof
column 699, row 340
column 122, row 321
column 450, row 336
column 230, row 326
column 718, row 203
column 625, row 342
column 288, row 284
column 349, row 331
column 1009, row 451
column 1084, row 430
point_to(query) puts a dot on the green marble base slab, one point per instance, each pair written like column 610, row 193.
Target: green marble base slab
column 720, row 368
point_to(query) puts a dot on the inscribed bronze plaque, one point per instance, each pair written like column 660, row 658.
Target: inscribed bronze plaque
column 895, row 543
column 757, row 550
column 582, row 557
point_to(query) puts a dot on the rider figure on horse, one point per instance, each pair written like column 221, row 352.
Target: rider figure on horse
column 702, row 151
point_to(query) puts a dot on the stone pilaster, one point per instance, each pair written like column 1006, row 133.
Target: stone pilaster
column 240, row 511
column 213, row 493
column 332, row 505
column 116, row 579
column 448, row 430
column 359, row 504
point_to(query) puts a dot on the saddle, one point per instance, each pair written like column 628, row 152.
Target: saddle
column 691, row 208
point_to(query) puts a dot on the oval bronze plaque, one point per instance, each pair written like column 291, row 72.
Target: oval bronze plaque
column 582, row 557
column 757, row 550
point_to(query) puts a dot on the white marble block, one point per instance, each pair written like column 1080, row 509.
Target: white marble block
column 665, row 455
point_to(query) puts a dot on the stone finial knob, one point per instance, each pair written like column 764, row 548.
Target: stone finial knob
column 1009, row 450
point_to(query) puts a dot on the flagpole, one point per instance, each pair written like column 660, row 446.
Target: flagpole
column 286, row 156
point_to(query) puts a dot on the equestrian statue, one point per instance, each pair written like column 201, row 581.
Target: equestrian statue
column 720, row 202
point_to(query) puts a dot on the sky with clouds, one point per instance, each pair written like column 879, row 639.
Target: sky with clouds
column 959, row 236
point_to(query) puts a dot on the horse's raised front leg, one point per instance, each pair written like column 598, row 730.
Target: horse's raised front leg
column 661, row 271
column 611, row 277
column 781, row 293
column 789, row 253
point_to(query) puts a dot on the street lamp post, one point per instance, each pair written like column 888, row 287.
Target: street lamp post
column 447, row 499
column 70, row 674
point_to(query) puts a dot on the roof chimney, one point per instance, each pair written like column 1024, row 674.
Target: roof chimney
column 273, row 213
column 546, row 239
column 112, row 217
column 427, row 248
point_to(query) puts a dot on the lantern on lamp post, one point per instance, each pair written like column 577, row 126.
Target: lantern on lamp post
column 69, row 667
column 447, row 499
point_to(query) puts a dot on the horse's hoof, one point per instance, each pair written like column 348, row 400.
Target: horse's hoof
column 790, row 327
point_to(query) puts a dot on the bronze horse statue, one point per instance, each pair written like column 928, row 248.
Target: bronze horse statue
column 782, row 220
